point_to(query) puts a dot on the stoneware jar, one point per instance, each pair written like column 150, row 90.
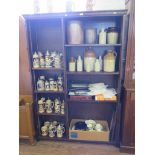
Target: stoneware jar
column 75, row 34
column 90, row 35
column 112, row 35
column 109, row 61
column 89, row 60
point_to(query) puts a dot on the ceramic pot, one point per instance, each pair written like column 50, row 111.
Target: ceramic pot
column 90, row 35
column 89, row 60
column 75, row 34
column 112, row 35
column 109, row 61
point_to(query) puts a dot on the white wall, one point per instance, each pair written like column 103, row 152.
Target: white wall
column 26, row 6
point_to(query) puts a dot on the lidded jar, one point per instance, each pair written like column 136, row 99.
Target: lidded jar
column 89, row 60
column 109, row 61
column 112, row 35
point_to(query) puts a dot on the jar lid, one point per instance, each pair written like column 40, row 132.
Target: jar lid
column 112, row 29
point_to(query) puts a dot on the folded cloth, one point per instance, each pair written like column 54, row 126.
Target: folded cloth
column 97, row 85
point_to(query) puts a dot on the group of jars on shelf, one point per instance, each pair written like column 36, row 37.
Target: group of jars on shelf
column 106, row 36
column 50, row 85
column 91, row 63
column 49, row 60
column 57, row 106
column 53, row 129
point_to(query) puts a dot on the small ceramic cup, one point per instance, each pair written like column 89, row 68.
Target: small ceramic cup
column 98, row 127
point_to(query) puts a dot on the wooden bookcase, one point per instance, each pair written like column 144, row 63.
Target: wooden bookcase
column 48, row 32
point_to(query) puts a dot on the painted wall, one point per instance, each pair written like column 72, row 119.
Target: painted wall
column 27, row 6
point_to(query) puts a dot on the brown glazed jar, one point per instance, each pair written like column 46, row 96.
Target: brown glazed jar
column 89, row 60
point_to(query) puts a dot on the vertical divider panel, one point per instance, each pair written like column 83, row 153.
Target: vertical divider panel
column 30, row 49
column 65, row 76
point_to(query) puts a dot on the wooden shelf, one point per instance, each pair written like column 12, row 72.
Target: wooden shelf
column 51, row 27
column 52, row 69
column 51, row 114
column 91, row 101
column 50, row 138
column 92, row 73
column 51, row 92
column 92, row 45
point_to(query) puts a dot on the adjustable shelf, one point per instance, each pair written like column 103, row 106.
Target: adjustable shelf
column 91, row 101
column 92, row 73
column 93, row 45
column 51, row 114
column 51, row 69
column 49, row 92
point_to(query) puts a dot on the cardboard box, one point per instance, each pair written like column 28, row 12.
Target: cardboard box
column 102, row 136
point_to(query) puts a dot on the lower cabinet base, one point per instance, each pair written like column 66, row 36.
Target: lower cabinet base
column 127, row 149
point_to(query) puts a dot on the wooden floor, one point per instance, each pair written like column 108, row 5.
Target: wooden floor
column 67, row 148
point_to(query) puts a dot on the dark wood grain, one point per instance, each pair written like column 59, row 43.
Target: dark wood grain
column 128, row 118
column 24, row 66
column 128, row 124
column 130, row 56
